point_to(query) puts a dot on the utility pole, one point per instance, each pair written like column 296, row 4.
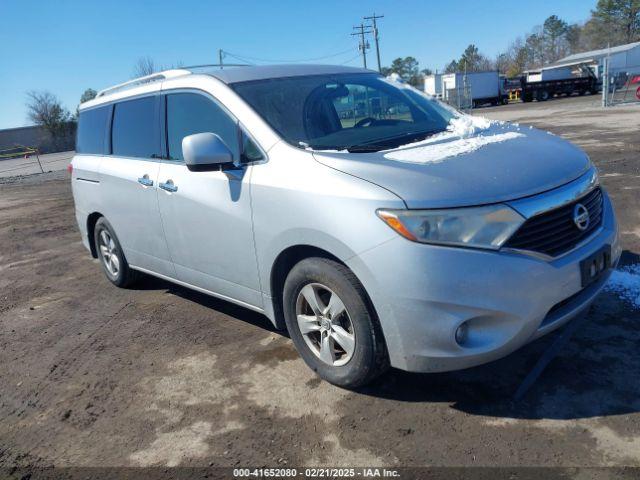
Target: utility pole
column 364, row 44
column 220, row 56
column 605, row 77
column 375, row 36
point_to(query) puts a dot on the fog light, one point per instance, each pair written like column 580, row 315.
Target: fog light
column 461, row 333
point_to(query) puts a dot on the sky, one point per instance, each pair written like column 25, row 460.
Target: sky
column 67, row 46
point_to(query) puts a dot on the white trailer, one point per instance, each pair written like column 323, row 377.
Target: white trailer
column 476, row 88
column 550, row 73
column 433, row 84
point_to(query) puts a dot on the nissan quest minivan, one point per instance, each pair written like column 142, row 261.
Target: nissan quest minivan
column 378, row 226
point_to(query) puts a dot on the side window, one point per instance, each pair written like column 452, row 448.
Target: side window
column 250, row 151
column 190, row 113
column 135, row 131
column 92, row 126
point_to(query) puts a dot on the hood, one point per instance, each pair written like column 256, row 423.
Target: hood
column 475, row 162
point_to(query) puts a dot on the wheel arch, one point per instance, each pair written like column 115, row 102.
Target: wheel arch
column 283, row 264
column 92, row 219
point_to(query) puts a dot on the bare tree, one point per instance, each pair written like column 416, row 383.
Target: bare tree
column 44, row 109
column 144, row 66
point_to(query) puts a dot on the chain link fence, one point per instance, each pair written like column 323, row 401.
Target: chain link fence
column 459, row 97
column 624, row 88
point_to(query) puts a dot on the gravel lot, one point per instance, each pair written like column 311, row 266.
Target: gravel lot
column 91, row 375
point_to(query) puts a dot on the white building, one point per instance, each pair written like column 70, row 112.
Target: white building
column 622, row 59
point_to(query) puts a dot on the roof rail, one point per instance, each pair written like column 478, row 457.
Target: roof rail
column 154, row 77
column 221, row 65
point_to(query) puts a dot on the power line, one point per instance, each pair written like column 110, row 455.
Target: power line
column 351, row 59
column 375, row 35
column 271, row 60
column 237, row 57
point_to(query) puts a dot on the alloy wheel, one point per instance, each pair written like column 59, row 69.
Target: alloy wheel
column 325, row 324
column 108, row 252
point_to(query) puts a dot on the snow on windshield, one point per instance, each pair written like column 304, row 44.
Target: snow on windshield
column 465, row 134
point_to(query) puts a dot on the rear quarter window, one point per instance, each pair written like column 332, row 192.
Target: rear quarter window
column 92, row 125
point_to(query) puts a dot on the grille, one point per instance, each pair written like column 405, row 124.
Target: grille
column 554, row 232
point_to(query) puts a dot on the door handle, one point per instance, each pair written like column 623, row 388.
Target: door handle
column 168, row 186
column 145, row 180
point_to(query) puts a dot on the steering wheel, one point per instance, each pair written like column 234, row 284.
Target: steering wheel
column 365, row 122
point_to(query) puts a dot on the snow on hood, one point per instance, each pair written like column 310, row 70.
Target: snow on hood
column 625, row 283
column 464, row 134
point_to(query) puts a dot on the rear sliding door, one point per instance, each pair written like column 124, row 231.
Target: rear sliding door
column 129, row 180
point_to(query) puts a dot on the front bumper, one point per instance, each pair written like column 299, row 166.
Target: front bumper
column 422, row 293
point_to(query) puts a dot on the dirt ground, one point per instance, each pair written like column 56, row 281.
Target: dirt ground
column 92, row 375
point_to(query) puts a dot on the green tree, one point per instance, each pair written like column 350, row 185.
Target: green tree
column 452, row 67
column 471, row 60
column 554, row 32
column 88, row 94
column 407, row 68
column 613, row 22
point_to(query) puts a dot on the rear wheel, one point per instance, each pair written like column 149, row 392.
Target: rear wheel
column 331, row 324
column 111, row 256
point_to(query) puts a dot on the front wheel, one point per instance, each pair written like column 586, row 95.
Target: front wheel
column 331, row 324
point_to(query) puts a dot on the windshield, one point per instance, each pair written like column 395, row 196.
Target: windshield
column 358, row 112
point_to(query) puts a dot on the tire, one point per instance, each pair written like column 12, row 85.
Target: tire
column 543, row 96
column 114, row 264
column 352, row 340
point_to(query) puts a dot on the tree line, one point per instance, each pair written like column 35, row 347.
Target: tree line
column 611, row 23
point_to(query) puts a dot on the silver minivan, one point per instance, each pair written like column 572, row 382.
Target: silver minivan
column 378, row 226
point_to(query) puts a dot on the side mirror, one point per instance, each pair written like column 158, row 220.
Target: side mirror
column 205, row 151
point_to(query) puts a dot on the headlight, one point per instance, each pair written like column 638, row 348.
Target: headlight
column 481, row 227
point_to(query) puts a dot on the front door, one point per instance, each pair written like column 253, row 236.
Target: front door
column 207, row 215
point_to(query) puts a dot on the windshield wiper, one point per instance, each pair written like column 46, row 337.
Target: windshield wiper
column 363, row 148
column 389, row 142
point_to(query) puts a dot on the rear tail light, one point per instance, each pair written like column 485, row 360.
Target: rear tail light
column 70, row 168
